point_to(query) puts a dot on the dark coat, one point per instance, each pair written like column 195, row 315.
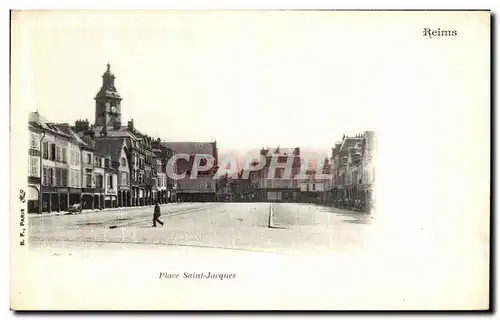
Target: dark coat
column 157, row 211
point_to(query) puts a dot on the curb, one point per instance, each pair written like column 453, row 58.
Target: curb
column 65, row 213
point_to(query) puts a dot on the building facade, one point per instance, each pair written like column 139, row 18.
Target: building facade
column 55, row 167
column 353, row 169
column 34, row 160
column 118, row 167
column 165, row 185
column 203, row 187
column 279, row 187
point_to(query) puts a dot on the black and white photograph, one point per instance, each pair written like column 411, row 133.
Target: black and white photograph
column 250, row 160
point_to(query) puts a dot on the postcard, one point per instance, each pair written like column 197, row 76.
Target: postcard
column 250, row 160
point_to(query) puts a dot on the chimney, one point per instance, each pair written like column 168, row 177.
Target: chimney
column 131, row 125
column 81, row 125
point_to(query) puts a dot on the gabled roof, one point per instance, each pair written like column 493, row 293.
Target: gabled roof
column 282, row 151
column 349, row 142
column 122, row 132
column 191, row 148
column 110, row 147
column 73, row 136
column 37, row 119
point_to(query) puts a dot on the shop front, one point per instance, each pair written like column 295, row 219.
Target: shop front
column 99, row 198
column 33, row 194
column 75, row 196
column 123, row 196
column 54, row 199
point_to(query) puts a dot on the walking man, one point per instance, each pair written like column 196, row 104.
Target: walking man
column 156, row 215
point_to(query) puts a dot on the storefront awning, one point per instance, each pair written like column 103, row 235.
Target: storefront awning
column 32, row 194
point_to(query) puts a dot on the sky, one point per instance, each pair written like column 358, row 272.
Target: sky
column 247, row 79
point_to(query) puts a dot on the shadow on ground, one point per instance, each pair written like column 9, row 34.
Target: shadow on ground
column 357, row 221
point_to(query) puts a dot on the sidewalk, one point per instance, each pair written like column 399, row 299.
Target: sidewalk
column 62, row 213
column 350, row 211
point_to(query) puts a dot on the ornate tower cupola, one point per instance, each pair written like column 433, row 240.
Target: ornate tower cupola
column 108, row 100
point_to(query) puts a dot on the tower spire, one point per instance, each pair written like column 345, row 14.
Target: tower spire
column 108, row 110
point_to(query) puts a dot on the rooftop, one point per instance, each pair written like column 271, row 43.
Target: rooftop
column 191, row 148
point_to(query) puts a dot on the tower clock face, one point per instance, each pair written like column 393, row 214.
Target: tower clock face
column 113, row 109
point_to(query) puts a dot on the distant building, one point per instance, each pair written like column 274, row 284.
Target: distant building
column 116, row 150
column 224, row 191
column 343, row 166
column 166, row 186
column 353, row 170
column 281, row 187
column 368, row 166
column 203, row 188
column 75, row 166
column 313, row 187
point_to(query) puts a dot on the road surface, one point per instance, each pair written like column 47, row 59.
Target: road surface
column 278, row 228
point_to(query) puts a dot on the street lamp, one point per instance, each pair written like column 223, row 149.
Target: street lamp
column 41, row 176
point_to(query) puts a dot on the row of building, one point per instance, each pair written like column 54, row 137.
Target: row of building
column 346, row 180
column 107, row 164
column 104, row 164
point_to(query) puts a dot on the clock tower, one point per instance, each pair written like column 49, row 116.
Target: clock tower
column 107, row 102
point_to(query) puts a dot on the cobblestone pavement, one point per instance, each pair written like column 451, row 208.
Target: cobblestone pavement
column 280, row 228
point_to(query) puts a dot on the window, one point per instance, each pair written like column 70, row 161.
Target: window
column 34, row 167
column 64, row 154
column 58, row 177
column 34, row 141
column 96, row 162
column 51, row 181
column 52, row 155
column 74, row 158
column 110, row 181
column 123, row 178
column 77, row 158
column 45, row 150
column 89, row 158
column 44, row 179
column 209, row 184
column 314, row 187
column 88, row 176
column 123, row 162
column 106, row 163
column 64, row 177
column 58, row 153
column 99, row 181
column 282, row 159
